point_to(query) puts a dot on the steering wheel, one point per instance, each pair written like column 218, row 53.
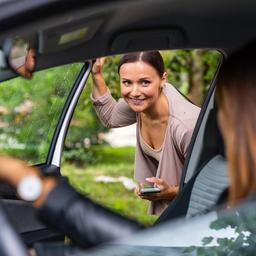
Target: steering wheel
column 10, row 242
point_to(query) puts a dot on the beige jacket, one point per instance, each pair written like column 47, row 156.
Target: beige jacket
column 182, row 119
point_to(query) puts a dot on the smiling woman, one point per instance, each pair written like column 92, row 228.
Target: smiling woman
column 165, row 121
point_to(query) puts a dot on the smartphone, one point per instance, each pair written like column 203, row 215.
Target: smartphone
column 149, row 190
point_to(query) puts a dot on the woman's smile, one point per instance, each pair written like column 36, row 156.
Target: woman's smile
column 136, row 101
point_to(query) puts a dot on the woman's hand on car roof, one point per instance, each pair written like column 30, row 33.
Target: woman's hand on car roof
column 98, row 66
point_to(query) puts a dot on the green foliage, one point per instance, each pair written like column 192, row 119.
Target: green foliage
column 192, row 70
column 79, row 156
column 178, row 68
column 111, row 75
column 31, row 109
column 82, row 156
column 111, row 155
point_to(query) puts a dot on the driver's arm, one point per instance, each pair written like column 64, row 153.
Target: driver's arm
column 85, row 222
column 60, row 206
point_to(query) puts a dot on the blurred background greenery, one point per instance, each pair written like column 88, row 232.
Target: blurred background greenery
column 29, row 112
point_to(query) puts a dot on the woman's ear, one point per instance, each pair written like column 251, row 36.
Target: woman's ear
column 164, row 78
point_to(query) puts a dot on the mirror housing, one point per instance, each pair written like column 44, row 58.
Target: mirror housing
column 20, row 56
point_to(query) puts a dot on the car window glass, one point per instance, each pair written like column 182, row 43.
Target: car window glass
column 29, row 111
column 100, row 161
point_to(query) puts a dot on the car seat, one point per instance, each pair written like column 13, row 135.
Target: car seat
column 201, row 193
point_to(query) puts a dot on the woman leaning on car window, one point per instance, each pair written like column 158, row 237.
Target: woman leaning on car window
column 165, row 121
column 64, row 209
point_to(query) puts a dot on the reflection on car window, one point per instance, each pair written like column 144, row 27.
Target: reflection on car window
column 100, row 161
column 233, row 233
column 29, row 111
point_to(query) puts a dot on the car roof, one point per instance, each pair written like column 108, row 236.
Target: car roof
column 124, row 26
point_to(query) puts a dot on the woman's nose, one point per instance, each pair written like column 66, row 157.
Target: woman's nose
column 135, row 90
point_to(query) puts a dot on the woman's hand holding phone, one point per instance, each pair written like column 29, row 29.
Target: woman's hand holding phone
column 149, row 190
column 160, row 191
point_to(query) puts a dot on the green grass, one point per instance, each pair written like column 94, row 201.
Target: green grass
column 113, row 162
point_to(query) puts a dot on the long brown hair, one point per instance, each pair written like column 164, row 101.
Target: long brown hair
column 236, row 97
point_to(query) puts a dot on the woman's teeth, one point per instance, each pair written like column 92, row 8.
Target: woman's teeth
column 136, row 101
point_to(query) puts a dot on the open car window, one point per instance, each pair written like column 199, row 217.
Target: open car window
column 100, row 161
column 30, row 109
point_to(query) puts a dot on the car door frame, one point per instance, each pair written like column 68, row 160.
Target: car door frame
column 29, row 227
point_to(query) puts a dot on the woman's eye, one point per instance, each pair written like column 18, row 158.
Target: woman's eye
column 126, row 83
column 145, row 82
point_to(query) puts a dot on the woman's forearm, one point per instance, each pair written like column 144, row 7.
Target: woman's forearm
column 99, row 85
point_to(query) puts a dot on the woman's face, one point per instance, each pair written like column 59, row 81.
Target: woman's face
column 140, row 85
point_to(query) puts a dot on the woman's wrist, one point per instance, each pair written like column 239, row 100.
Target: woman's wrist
column 173, row 190
column 99, row 86
column 96, row 75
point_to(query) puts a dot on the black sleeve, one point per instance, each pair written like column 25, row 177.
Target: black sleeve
column 85, row 222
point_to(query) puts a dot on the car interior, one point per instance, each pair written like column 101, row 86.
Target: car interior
column 64, row 33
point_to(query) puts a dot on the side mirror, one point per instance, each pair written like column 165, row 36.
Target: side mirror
column 20, row 56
